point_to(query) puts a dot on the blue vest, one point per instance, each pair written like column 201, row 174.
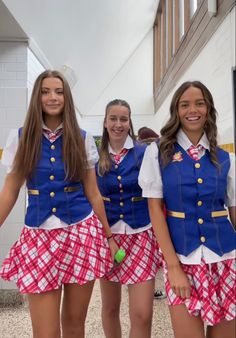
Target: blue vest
column 194, row 195
column 121, row 193
column 48, row 191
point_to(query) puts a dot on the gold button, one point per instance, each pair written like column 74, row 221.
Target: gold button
column 119, row 178
column 52, row 159
column 202, row 239
column 197, row 165
column 52, row 194
column 200, row 180
column 121, row 191
column 51, row 177
column 121, row 204
column 53, row 147
column 200, row 221
column 121, row 216
column 54, row 209
column 199, row 203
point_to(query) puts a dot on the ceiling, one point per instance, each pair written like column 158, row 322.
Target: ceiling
column 95, row 38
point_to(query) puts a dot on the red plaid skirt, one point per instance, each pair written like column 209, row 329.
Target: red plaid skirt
column 43, row 260
column 212, row 291
column 142, row 260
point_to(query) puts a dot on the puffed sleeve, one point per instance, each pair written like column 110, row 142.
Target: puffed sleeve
column 230, row 200
column 150, row 176
column 10, row 149
column 91, row 151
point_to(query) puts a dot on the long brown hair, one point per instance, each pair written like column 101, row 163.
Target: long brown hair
column 29, row 150
column 104, row 159
column 171, row 128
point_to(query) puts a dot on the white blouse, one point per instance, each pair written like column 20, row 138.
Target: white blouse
column 151, row 183
column 8, row 155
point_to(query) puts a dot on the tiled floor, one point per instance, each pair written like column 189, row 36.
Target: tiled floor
column 15, row 322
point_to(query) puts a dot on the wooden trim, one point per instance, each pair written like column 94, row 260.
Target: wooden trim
column 186, row 15
column 1, row 150
column 201, row 28
column 176, row 24
column 228, row 147
column 163, row 40
column 157, row 51
column 170, row 31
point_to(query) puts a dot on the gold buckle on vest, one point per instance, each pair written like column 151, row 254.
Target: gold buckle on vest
column 33, row 192
column 219, row 213
column 107, row 199
column 71, row 189
column 137, row 199
column 176, row 214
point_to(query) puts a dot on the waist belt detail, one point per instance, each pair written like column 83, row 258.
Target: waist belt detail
column 33, row 192
column 133, row 199
column 66, row 189
column 177, row 214
column 219, row 213
column 107, row 199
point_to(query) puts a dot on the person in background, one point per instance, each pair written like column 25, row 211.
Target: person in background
column 196, row 179
column 63, row 244
column 127, row 213
column 147, row 135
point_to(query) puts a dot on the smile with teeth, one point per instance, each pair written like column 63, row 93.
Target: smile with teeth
column 193, row 118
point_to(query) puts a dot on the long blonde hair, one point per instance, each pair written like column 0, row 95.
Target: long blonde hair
column 29, row 150
column 170, row 130
column 104, row 159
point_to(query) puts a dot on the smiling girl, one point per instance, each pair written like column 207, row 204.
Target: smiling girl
column 63, row 245
column 196, row 181
column 127, row 213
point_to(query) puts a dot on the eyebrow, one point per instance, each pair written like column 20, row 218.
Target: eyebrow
column 51, row 88
column 195, row 100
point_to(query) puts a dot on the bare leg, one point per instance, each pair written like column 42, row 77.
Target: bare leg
column 45, row 314
column 224, row 329
column 141, row 308
column 74, row 309
column 184, row 325
column 111, row 298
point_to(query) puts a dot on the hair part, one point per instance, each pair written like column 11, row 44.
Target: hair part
column 29, row 149
column 104, row 158
column 171, row 128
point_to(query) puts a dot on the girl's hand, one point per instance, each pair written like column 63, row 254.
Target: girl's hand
column 179, row 282
column 113, row 247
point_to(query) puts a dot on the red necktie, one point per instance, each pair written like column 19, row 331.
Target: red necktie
column 194, row 151
column 51, row 135
column 117, row 157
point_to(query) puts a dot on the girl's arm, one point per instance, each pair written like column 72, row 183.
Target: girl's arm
column 232, row 215
column 9, row 195
column 177, row 278
column 93, row 195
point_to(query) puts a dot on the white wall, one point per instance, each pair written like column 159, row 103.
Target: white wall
column 13, row 104
column 213, row 67
column 34, row 68
column 134, row 83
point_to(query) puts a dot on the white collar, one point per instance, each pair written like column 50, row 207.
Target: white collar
column 45, row 127
column 185, row 143
column 129, row 143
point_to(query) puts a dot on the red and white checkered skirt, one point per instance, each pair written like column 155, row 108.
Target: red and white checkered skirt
column 43, row 260
column 212, row 291
column 142, row 260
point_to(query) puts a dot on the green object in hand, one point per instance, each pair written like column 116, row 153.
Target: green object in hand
column 119, row 256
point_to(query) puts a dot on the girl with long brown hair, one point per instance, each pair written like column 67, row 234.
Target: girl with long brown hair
column 63, row 243
column 196, row 180
column 127, row 213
